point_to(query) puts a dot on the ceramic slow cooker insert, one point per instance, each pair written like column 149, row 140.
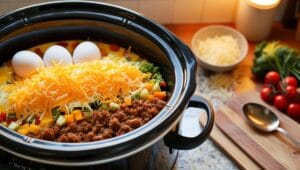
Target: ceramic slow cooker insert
column 69, row 20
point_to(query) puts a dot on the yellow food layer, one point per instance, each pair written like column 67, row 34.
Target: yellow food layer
column 104, row 79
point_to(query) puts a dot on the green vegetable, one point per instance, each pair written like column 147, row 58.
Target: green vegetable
column 30, row 119
column 136, row 95
column 61, row 120
column 96, row 104
column 11, row 116
column 14, row 126
column 147, row 67
column 156, row 87
column 144, row 93
column 55, row 113
column 273, row 56
column 87, row 112
column 104, row 106
column 113, row 106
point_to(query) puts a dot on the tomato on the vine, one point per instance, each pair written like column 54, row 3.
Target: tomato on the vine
column 290, row 92
column 290, row 81
column 267, row 94
column 293, row 110
column 280, row 102
column 272, row 77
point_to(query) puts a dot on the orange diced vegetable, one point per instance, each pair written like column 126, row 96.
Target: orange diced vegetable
column 160, row 95
column 24, row 129
column 70, row 118
column 150, row 97
column 127, row 100
column 77, row 114
column 45, row 122
column 149, row 86
column 35, row 129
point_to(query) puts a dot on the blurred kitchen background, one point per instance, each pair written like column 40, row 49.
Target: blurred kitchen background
column 170, row 11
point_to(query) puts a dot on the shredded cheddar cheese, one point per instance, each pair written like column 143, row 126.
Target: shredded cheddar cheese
column 59, row 85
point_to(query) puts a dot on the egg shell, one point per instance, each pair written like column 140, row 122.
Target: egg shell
column 57, row 54
column 26, row 62
column 85, row 52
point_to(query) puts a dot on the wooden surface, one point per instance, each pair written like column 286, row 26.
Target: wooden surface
column 249, row 148
column 268, row 150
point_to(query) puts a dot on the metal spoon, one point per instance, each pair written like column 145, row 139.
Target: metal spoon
column 264, row 119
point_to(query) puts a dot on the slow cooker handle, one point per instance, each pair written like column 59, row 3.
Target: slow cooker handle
column 176, row 141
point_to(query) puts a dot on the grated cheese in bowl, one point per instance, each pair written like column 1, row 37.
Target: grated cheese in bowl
column 219, row 50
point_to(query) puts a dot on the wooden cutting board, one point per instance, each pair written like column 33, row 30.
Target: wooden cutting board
column 250, row 148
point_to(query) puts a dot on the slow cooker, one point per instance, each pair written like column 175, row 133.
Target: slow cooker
column 154, row 145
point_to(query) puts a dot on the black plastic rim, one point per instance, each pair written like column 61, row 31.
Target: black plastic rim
column 179, row 55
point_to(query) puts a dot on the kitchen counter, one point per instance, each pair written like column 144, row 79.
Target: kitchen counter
column 209, row 155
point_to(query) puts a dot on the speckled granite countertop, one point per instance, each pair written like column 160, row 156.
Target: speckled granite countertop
column 207, row 155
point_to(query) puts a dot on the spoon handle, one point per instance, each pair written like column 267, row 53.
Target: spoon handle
column 288, row 136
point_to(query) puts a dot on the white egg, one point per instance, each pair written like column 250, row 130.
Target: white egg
column 57, row 54
column 26, row 62
column 85, row 52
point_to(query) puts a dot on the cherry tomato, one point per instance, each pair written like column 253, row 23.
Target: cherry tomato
column 290, row 92
column 293, row 110
column 272, row 77
column 266, row 94
column 290, row 81
column 280, row 102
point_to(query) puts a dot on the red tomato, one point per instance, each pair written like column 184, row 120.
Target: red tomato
column 2, row 116
column 37, row 120
column 266, row 94
column 290, row 81
column 272, row 77
column 162, row 84
column 293, row 110
column 114, row 47
column 290, row 92
column 280, row 102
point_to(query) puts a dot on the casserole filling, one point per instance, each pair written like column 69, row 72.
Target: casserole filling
column 79, row 91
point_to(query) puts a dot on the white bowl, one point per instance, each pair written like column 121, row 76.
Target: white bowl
column 219, row 30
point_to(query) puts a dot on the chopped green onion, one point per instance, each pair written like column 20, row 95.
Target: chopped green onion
column 55, row 113
column 113, row 106
column 96, row 104
column 14, row 126
column 144, row 93
column 156, row 87
column 30, row 119
column 11, row 116
column 61, row 120
column 104, row 106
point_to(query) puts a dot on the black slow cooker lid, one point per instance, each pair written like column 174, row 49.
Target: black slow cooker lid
column 60, row 20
